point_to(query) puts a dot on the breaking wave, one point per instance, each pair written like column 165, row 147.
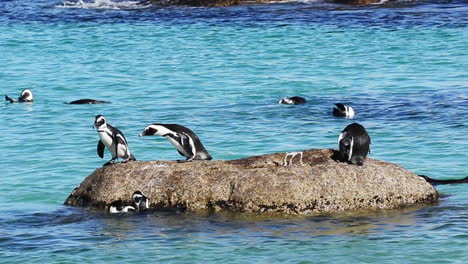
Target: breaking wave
column 104, row 4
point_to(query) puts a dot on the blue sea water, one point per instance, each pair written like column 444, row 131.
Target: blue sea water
column 220, row 71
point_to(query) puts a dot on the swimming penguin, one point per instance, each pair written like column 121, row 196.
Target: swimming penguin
column 343, row 110
column 25, row 97
column 185, row 140
column 88, row 101
column 445, row 181
column 140, row 203
column 113, row 139
column 295, row 100
column 354, row 144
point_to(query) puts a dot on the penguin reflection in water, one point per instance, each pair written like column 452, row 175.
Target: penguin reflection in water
column 113, row 139
column 140, row 203
column 183, row 139
column 25, row 97
column 354, row 144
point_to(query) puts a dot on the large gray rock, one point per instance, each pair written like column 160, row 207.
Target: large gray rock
column 258, row 184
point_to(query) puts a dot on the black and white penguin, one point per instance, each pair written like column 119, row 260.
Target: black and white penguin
column 185, row 140
column 343, row 110
column 354, row 144
column 88, row 101
column 295, row 100
column 113, row 139
column 140, row 203
column 25, row 97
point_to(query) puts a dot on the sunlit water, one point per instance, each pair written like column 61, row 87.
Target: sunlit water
column 221, row 71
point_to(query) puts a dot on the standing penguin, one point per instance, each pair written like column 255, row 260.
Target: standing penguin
column 113, row 139
column 354, row 144
column 343, row 110
column 185, row 140
column 25, row 97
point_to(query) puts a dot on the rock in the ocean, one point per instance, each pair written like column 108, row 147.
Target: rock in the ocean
column 293, row 183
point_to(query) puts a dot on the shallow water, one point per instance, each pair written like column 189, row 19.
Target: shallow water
column 221, row 71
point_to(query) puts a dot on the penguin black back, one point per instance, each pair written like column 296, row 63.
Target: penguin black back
column 88, row 101
column 295, row 100
column 354, row 144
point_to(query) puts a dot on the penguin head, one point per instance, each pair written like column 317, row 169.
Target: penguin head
column 340, row 108
column 26, row 96
column 140, row 201
column 100, row 122
column 151, row 130
column 343, row 110
column 285, row 100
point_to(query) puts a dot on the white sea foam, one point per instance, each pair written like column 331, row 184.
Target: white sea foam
column 102, row 4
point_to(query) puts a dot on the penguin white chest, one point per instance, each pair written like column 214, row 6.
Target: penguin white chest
column 108, row 141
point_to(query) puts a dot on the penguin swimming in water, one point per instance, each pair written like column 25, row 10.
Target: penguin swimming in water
column 444, row 181
column 295, row 100
column 25, row 97
column 140, row 203
column 88, row 101
column 343, row 110
column 113, row 139
column 185, row 140
column 354, row 144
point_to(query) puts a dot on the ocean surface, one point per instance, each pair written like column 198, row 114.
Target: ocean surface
column 402, row 65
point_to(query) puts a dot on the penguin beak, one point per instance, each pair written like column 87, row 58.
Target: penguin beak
column 141, row 134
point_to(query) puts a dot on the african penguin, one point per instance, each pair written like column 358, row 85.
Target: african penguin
column 343, row 110
column 113, row 139
column 443, row 181
column 25, row 97
column 295, row 100
column 354, row 144
column 185, row 140
column 88, row 101
column 140, row 203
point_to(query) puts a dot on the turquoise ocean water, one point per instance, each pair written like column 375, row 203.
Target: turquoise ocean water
column 220, row 71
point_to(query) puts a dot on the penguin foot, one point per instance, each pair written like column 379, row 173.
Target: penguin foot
column 127, row 160
column 110, row 162
column 7, row 98
column 183, row 161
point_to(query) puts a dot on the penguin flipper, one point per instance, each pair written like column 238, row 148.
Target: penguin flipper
column 185, row 142
column 181, row 153
column 100, row 149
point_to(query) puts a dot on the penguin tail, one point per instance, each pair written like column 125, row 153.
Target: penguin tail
column 132, row 157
